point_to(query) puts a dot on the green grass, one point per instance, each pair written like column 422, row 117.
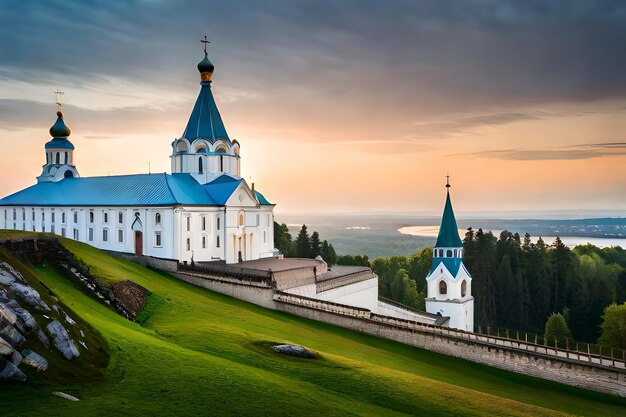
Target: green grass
column 195, row 352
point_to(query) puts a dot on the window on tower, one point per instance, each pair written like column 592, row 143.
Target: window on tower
column 157, row 218
column 463, row 288
column 449, row 253
column 443, row 287
column 200, row 170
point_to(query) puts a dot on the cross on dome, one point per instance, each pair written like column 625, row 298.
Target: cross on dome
column 58, row 93
column 205, row 41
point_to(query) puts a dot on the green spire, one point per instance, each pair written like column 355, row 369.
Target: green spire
column 448, row 231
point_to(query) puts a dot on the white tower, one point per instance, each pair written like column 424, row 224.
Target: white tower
column 59, row 151
column 204, row 150
column 449, row 282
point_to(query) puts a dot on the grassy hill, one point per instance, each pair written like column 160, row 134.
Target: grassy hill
column 195, row 352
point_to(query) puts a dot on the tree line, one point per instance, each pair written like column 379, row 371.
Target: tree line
column 304, row 246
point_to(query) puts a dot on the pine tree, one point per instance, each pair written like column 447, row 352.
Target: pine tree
column 328, row 253
column 282, row 239
column 563, row 266
column 316, row 245
column 303, row 243
column 484, row 268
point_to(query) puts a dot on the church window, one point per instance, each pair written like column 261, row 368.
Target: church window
column 157, row 218
column 203, row 223
column 47, row 158
column 218, row 226
column 75, row 234
column 157, row 239
column 218, row 242
column 23, row 214
column 463, row 288
column 188, row 224
column 52, row 229
column 91, row 234
column 443, row 287
column 63, row 217
column 106, row 216
column 91, row 215
column 58, row 158
column 75, row 217
column 53, row 215
column 181, row 147
column 14, row 214
column 449, row 253
column 43, row 216
column 264, row 236
column 203, row 242
column 221, row 163
column 105, row 235
column 120, row 236
column 200, row 170
column 241, row 219
column 67, row 158
column 120, row 217
column 188, row 244
column 258, row 219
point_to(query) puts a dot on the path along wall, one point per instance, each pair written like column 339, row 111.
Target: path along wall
column 572, row 368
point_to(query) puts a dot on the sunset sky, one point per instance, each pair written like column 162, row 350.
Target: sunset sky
column 345, row 106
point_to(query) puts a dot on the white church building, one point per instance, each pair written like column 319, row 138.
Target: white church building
column 203, row 211
column 449, row 284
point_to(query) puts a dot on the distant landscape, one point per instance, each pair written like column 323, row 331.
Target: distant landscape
column 380, row 235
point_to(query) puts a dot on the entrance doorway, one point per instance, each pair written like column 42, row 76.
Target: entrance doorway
column 138, row 243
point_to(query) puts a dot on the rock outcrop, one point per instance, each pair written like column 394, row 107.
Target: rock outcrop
column 35, row 360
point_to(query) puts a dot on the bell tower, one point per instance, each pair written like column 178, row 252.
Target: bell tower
column 449, row 282
column 59, row 151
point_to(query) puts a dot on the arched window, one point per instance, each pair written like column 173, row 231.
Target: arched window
column 157, row 218
column 67, row 158
column 463, row 288
column 68, row 174
column 201, row 149
column 181, row 146
column 241, row 219
column 449, row 253
column 91, row 217
column 58, row 158
column 221, row 163
column 200, row 170
column 443, row 287
column 221, row 149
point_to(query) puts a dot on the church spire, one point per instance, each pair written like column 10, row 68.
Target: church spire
column 448, row 231
column 205, row 121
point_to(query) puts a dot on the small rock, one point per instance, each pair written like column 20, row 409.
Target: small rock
column 44, row 339
column 3, row 296
column 10, row 371
column 12, row 335
column 83, row 344
column 62, row 340
column 69, row 320
column 82, row 334
column 16, row 358
column 25, row 317
column 295, row 350
column 35, row 360
column 65, row 396
column 5, row 347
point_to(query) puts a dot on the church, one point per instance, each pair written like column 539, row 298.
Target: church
column 203, row 211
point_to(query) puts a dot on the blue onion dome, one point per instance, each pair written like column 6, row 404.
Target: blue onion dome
column 206, row 68
column 60, row 129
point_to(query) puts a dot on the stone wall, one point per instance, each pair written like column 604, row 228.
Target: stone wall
column 545, row 363
column 169, row 265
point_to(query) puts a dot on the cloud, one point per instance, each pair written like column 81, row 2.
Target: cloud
column 584, row 151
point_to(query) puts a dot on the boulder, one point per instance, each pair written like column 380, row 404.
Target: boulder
column 62, row 340
column 27, row 319
column 5, row 347
column 35, row 360
column 295, row 350
column 8, row 371
column 12, row 335
column 3, row 296
column 44, row 339
column 16, row 358
column 6, row 279
column 7, row 314
column 29, row 295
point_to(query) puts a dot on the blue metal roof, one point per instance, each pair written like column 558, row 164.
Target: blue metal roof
column 128, row 190
column 205, row 120
column 452, row 264
column 261, row 199
column 448, row 231
column 59, row 143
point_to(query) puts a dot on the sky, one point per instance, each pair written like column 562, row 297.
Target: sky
column 340, row 107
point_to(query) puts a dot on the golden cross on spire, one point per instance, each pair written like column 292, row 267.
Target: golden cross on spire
column 58, row 93
column 448, row 180
column 205, row 41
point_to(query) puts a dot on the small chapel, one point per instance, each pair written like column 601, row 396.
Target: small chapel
column 203, row 211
